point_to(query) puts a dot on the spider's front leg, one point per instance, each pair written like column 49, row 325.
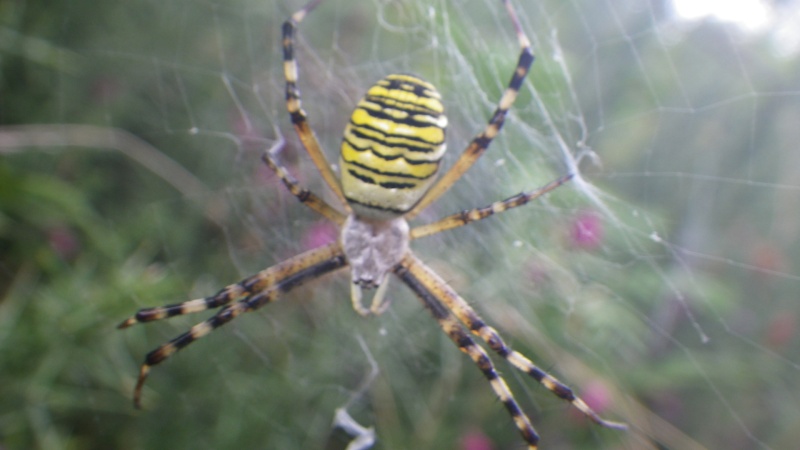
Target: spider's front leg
column 447, row 307
column 460, row 336
column 250, row 293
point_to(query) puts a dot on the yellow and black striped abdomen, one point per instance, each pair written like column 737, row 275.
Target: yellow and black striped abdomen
column 392, row 146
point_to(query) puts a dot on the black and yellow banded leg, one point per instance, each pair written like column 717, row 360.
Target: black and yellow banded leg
column 294, row 104
column 436, row 287
column 252, row 293
column 233, row 292
column 305, row 196
column 227, row 295
column 476, row 214
column 409, row 272
column 481, row 142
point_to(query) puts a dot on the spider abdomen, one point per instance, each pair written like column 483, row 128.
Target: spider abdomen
column 392, row 146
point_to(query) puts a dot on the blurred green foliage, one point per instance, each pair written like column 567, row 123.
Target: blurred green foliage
column 87, row 236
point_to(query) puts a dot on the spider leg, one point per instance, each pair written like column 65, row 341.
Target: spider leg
column 253, row 292
column 226, row 295
column 481, row 142
column 242, row 289
column 408, row 271
column 294, row 106
column 305, row 196
column 473, row 215
column 425, row 282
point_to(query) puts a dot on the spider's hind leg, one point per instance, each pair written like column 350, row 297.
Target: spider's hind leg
column 294, row 103
column 305, row 196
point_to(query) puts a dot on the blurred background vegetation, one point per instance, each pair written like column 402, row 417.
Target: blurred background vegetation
column 662, row 285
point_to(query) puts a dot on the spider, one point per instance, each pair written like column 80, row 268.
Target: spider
column 389, row 159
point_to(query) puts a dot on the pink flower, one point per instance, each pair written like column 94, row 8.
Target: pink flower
column 319, row 234
column 597, row 395
column 781, row 329
column 475, row 440
column 586, row 231
column 63, row 241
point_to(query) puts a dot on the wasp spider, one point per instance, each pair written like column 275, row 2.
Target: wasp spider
column 389, row 159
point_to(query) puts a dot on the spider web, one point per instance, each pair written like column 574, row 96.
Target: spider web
column 660, row 283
